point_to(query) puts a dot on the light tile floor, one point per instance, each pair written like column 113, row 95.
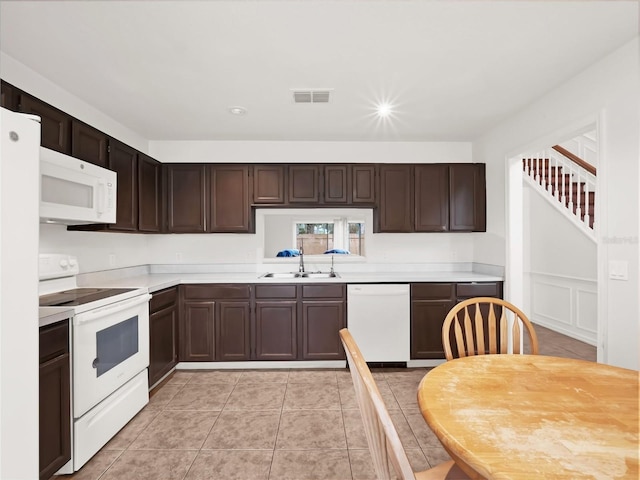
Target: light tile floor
column 277, row 424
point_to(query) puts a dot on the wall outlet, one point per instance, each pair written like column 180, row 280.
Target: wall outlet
column 112, row 259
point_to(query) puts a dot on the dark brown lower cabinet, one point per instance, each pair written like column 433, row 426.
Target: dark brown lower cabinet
column 233, row 336
column 323, row 315
column 55, row 399
column 197, row 326
column 276, row 330
column 215, row 322
column 240, row 322
column 430, row 304
column 163, row 333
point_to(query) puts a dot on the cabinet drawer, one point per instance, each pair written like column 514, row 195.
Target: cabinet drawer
column 163, row 298
column 323, row 291
column 54, row 340
column 432, row 291
column 489, row 289
column 276, row 291
column 216, row 291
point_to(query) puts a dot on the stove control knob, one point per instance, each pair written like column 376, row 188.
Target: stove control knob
column 64, row 263
column 72, row 262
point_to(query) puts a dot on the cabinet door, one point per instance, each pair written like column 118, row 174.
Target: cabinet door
column 55, row 415
column 8, row 96
column 427, row 317
column 467, row 197
column 336, row 184
column 187, row 198
column 321, row 321
column 55, row 125
column 268, row 184
column 229, row 196
column 163, row 335
column 233, row 336
column 149, row 194
column 363, row 184
column 197, row 325
column 89, row 144
column 123, row 160
column 431, row 198
column 276, row 330
column 395, row 208
column 303, row 184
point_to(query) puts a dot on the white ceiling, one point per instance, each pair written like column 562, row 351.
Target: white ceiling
column 170, row 70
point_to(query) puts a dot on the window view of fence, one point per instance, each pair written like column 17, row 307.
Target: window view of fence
column 318, row 238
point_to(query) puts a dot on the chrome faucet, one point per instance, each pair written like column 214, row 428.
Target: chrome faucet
column 301, row 267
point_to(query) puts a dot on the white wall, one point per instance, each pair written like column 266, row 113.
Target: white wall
column 32, row 82
column 560, row 268
column 96, row 250
column 310, row 152
column 608, row 92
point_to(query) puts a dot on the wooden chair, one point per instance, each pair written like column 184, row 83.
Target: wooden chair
column 384, row 444
column 485, row 325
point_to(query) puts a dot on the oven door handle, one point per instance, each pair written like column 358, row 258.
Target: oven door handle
column 98, row 313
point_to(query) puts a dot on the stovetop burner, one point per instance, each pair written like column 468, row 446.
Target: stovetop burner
column 79, row 296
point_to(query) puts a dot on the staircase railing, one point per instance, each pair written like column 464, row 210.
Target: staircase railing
column 570, row 184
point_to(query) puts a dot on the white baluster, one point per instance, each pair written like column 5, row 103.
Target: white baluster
column 570, row 204
column 578, row 207
column 552, row 165
column 557, row 192
column 587, row 208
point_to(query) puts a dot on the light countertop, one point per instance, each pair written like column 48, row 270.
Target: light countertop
column 49, row 315
column 159, row 281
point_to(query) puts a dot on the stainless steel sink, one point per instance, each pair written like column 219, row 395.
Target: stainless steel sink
column 300, row 275
column 282, row 275
column 319, row 275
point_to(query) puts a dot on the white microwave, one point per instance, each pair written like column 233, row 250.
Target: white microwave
column 74, row 192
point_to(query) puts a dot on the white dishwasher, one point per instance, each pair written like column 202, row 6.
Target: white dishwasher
column 378, row 317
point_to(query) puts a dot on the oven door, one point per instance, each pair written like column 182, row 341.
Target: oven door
column 110, row 347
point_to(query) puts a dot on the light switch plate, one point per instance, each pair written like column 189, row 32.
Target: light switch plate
column 618, row 270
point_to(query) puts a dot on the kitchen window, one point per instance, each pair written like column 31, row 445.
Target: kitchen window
column 319, row 232
column 338, row 237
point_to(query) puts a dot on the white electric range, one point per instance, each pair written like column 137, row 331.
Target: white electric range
column 109, row 353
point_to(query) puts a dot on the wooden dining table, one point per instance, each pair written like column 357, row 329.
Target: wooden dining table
column 534, row 417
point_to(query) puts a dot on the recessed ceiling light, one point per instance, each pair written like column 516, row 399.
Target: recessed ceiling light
column 384, row 110
column 237, row 110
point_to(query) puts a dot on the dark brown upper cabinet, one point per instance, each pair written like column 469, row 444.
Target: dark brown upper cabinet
column 467, row 197
column 431, row 190
column 304, row 184
column 230, row 198
column 88, row 144
column 363, row 184
column 268, row 184
column 395, row 208
column 123, row 160
column 55, row 125
column 8, row 96
column 187, row 198
column 336, row 184
column 149, row 194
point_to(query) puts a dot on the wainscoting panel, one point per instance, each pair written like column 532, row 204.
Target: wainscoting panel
column 564, row 304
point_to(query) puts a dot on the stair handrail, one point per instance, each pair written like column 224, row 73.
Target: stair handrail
column 576, row 159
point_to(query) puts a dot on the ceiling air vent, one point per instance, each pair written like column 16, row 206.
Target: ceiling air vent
column 311, row 96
